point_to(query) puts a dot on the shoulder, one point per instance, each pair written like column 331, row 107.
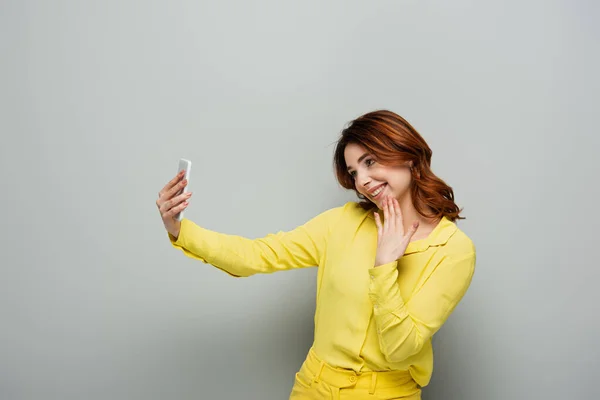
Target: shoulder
column 355, row 208
column 348, row 209
column 353, row 211
column 348, row 213
column 460, row 245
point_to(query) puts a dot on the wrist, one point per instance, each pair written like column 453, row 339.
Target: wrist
column 175, row 233
column 380, row 262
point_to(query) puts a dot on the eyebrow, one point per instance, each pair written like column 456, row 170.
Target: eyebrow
column 360, row 159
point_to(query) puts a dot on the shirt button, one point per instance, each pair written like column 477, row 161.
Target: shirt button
column 376, row 306
column 372, row 277
column 352, row 379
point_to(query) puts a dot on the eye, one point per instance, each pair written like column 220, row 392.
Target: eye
column 353, row 174
column 369, row 162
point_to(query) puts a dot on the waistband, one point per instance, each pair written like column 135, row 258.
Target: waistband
column 345, row 378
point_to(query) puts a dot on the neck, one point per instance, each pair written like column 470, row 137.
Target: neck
column 410, row 215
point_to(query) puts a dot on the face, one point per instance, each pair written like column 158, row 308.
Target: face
column 373, row 180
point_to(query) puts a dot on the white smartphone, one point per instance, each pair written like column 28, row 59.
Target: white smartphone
column 184, row 165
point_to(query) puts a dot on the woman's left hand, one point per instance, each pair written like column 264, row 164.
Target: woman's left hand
column 391, row 238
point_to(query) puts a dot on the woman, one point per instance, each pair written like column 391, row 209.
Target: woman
column 392, row 267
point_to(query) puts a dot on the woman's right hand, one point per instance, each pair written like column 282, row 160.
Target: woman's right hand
column 170, row 205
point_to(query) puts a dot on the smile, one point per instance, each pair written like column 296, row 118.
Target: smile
column 378, row 191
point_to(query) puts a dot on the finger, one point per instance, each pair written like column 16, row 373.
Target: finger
column 176, row 210
column 412, row 230
column 399, row 219
column 175, row 190
column 386, row 214
column 378, row 224
column 172, row 183
column 174, row 202
column 392, row 211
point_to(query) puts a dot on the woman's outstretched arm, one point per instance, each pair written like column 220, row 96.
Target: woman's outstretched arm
column 239, row 256
column 301, row 247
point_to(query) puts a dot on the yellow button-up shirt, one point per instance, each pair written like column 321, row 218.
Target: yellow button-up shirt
column 367, row 318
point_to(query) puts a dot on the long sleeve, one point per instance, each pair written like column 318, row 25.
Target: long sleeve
column 404, row 328
column 301, row 247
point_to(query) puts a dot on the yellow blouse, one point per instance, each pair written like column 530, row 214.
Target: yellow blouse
column 367, row 318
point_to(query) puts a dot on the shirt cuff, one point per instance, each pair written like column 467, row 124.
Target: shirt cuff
column 384, row 291
column 179, row 241
column 192, row 240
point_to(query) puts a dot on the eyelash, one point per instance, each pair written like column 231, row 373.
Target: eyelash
column 353, row 173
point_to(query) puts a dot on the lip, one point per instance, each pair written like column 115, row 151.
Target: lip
column 375, row 189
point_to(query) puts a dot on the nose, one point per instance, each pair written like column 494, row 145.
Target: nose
column 363, row 180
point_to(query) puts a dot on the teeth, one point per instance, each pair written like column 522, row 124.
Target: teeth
column 375, row 193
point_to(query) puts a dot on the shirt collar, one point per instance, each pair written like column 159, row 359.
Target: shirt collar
column 438, row 236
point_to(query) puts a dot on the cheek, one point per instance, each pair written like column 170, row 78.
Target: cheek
column 359, row 190
column 402, row 181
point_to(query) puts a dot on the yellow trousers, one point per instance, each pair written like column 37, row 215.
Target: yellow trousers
column 317, row 380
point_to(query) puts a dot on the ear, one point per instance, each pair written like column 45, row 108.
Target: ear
column 410, row 164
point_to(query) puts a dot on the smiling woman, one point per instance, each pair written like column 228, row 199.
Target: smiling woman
column 387, row 144
column 391, row 269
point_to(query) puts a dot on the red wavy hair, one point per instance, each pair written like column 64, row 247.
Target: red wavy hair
column 393, row 141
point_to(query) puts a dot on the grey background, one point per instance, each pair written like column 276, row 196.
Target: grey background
column 99, row 100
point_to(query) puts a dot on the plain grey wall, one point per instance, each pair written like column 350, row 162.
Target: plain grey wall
column 99, row 100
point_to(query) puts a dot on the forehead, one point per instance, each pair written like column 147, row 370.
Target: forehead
column 352, row 152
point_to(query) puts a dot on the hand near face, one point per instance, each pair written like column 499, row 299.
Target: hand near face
column 392, row 241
